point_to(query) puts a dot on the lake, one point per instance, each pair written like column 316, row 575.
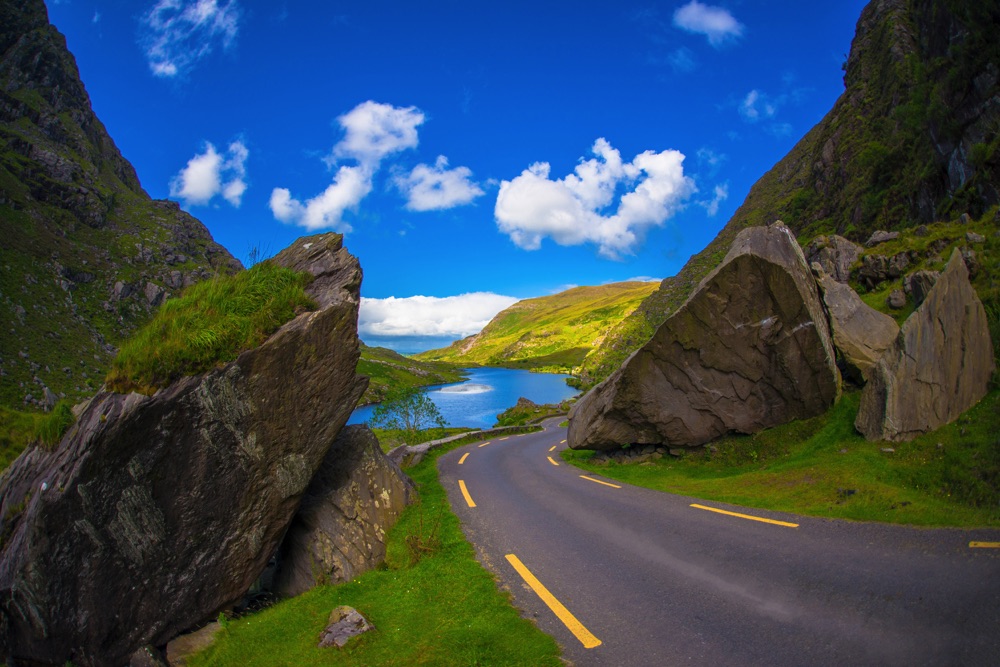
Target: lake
column 488, row 392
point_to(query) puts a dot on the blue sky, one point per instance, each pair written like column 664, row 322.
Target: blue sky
column 472, row 153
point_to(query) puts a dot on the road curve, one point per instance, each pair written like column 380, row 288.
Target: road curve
column 656, row 581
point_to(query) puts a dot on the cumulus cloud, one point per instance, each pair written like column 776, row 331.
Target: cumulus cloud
column 211, row 173
column 716, row 23
column 179, row 33
column 372, row 131
column 433, row 188
column 454, row 316
column 573, row 210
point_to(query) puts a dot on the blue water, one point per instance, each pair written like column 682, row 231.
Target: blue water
column 476, row 402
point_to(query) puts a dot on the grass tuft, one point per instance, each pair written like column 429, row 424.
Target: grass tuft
column 19, row 430
column 431, row 604
column 211, row 323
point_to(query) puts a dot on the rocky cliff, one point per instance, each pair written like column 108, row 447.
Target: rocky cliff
column 86, row 254
column 156, row 512
column 912, row 139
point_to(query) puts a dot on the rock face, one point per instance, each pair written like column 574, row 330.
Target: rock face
column 938, row 367
column 750, row 349
column 860, row 333
column 835, row 254
column 339, row 530
column 156, row 512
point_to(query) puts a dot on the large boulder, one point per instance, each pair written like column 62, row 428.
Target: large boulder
column 156, row 512
column 835, row 254
column 749, row 349
column 339, row 530
column 937, row 368
column 860, row 333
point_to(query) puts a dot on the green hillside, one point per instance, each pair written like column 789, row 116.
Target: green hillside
column 386, row 369
column 913, row 139
column 550, row 333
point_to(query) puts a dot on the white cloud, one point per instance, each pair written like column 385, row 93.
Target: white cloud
column 715, row 23
column 210, row 173
column 757, row 105
column 570, row 210
column 372, row 131
column 682, row 60
column 720, row 193
column 455, row 316
column 179, row 33
column 433, row 188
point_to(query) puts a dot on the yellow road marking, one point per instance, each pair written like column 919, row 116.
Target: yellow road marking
column 746, row 516
column 984, row 545
column 562, row 442
column 562, row 613
column 614, row 486
column 464, row 456
column 485, row 443
column 551, row 460
column 504, row 438
column 552, row 448
column 465, row 492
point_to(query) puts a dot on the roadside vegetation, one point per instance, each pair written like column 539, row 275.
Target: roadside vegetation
column 527, row 412
column 822, row 467
column 18, row 430
column 211, row 323
column 431, row 603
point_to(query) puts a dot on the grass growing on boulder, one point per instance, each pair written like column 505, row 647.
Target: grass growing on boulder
column 211, row 323
column 431, row 604
column 822, row 467
column 18, row 430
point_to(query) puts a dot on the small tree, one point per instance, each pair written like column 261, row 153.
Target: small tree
column 407, row 410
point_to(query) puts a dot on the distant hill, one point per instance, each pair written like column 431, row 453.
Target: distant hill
column 913, row 139
column 387, row 369
column 551, row 333
column 85, row 253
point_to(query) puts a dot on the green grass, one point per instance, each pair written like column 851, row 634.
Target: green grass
column 211, row 323
column 390, row 439
column 821, row 467
column 431, row 604
column 18, row 430
column 387, row 370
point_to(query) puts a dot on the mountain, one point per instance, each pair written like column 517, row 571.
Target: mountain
column 913, row 139
column 387, row 369
column 553, row 333
column 86, row 253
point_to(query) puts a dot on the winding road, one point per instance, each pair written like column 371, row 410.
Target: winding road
column 621, row 575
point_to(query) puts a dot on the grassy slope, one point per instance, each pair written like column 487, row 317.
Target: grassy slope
column 387, row 369
column 822, row 467
column 875, row 160
column 441, row 609
column 552, row 333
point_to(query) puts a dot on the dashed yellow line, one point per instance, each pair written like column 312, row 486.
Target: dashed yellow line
column 614, row 486
column 464, row 456
column 552, row 460
column 562, row 442
column 485, row 443
column 746, row 516
column 465, row 492
column 552, row 448
column 562, row 613
column 984, row 545
column 504, row 438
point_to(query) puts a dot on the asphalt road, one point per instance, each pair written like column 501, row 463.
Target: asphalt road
column 658, row 582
